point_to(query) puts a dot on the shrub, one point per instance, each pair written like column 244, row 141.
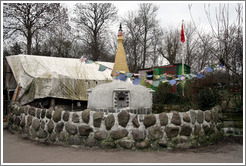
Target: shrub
column 208, row 98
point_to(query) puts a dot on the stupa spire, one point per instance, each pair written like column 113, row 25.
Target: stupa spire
column 120, row 63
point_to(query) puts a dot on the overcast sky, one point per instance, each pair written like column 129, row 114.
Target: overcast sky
column 172, row 13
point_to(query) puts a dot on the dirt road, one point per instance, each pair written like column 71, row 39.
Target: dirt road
column 19, row 150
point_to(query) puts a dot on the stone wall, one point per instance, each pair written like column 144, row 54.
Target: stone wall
column 117, row 130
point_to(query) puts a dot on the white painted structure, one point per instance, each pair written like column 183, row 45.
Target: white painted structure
column 119, row 95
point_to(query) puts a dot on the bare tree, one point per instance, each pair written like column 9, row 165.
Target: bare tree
column 27, row 19
column 94, row 19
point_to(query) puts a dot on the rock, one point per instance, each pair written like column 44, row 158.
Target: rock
column 142, row 145
column 118, row 134
column 21, row 110
column 109, row 121
column 126, row 144
column 97, row 118
column 123, row 118
column 176, row 118
column 74, row 140
column 108, row 145
column 200, row 116
column 193, row 115
column 155, row 133
column 61, row 136
column 171, row 131
column 135, row 122
column 43, row 113
column 52, row 137
column 29, row 121
column 138, row 134
column 31, row 111
column 57, row 115
column 86, row 116
column 149, row 120
column 163, row 119
column 100, row 135
column 85, row 130
column 206, row 129
column 41, row 133
column 50, row 126
column 59, row 127
column 71, row 129
column 38, row 113
column 49, row 113
column 42, row 124
column 185, row 130
column 22, row 122
column 75, row 118
column 197, row 129
column 163, row 143
column 91, row 142
column 26, row 130
column 208, row 116
column 17, row 121
column 36, row 124
column 66, row 116
column 186, row 117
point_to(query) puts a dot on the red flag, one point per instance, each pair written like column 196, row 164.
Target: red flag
column 182, row 34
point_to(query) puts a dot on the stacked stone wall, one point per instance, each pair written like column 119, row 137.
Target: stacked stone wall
column 117, row 130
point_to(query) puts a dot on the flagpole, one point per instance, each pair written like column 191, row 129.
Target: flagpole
column 182, row 62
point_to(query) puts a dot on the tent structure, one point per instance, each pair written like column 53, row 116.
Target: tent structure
column 64, row 78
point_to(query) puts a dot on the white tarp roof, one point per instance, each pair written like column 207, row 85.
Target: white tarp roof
column 68, row 78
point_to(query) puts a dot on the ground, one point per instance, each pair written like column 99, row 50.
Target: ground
column 19, row 150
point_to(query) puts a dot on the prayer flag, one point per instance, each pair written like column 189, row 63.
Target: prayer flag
column 182, row 34
column 122, row 77
column 88, row 61
column 129, row 75
column 208, row 69
column 102, row 67
column 136, row 81
column 172, row 82
column 199, row 76
column 156, row 83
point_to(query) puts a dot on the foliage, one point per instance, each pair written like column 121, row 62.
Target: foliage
column 207, row 98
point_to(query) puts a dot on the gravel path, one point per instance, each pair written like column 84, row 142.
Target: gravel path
column 19, row 150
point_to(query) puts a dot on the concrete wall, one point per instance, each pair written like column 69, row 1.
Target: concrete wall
column 117, row 130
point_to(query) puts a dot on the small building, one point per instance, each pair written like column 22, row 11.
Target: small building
column 175, row 69
column 119, row 95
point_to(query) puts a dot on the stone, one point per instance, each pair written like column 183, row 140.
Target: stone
column 149, row 120
column 66, row 116
column 97, row 119
column 42, row 124
column 59, row 127
column 186, row 117
column 22, row 108
column 163, row 143
column 91, row 142
column 71, row 129
column 74, row 140
column 118, row 134
column 22, row 122
column 109, row 121
column 200, row 116
column 53, row 137
column 100, row 135
column 49, row 113
column 31, row 111
column 197, row 129
column 208, row 116
column 155, row 133
column 43, row 112
column 17, row 121
column 176, row 118
column 29, row 121
column 108, row 145
column 57, row 115
column 193, row 115
column 206, row 128
column 172, row 131
column 35, row 124
column 126, row 144
column 38, row 113
column 123, row 118
column 142, row 145
column 26, row 130
column 50, row 126
column 185, row 130
column 135, row 122
column 75, row 118
column 138, row 134
column 163, row 119
column 61, row 136
column 41, row 133
column 86, row 116
column 85, row 130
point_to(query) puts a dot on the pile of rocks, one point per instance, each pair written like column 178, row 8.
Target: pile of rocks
column 117, row 130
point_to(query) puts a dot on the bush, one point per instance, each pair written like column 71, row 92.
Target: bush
column 208, row 98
